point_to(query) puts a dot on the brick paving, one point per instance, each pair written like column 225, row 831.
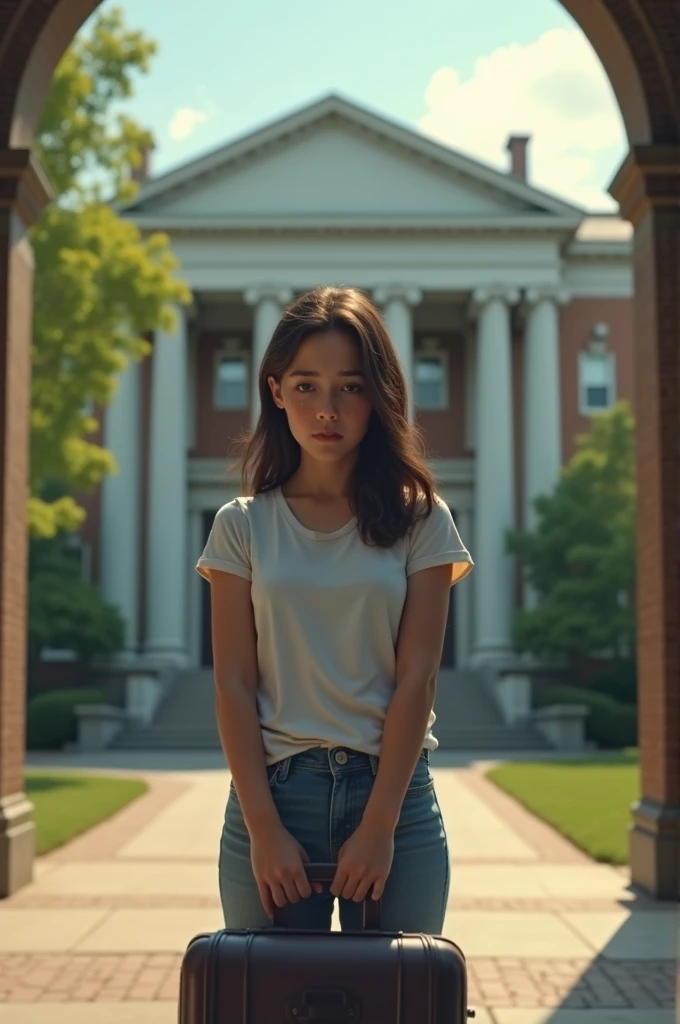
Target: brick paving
column 39, row 978
column 500, row 982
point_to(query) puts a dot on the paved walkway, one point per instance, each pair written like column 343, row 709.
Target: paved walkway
column 550, row 937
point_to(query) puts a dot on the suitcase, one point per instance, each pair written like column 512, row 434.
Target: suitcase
column 292, row 976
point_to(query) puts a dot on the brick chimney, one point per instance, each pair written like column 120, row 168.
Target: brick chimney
column 143, row 172
column 517, row 147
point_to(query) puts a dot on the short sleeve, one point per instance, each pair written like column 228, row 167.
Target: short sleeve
column 228, row 544
column 436, row 541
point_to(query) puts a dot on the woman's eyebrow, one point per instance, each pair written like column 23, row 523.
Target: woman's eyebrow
column 315, row 373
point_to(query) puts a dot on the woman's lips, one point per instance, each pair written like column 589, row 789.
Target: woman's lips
column 327, row 437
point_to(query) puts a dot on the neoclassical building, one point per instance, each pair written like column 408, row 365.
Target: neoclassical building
column 509, row 307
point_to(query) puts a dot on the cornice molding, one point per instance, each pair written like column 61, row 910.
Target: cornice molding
column 560, row 229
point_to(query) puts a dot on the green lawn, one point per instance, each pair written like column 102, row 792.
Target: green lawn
column 588, row 801
column 66, row 805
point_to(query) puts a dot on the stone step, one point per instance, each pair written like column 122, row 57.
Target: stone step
column 459, row 695
column 191, row 701
column 463, row 697
column 467, row 717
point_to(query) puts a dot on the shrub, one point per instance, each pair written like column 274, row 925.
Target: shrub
column 610, row 724
column 620, row 683
column 51, row 719
column 63, row 610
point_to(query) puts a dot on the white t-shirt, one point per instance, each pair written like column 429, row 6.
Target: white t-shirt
column 327, row 609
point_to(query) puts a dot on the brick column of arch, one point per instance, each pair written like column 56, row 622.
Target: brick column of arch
column 23, row 193
column 648, row 188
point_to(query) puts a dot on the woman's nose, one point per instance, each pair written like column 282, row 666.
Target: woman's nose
column 327, row 407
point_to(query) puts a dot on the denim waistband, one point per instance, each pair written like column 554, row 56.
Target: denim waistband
column 333, row 760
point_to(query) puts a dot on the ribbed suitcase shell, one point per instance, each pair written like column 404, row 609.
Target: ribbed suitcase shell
column 278, row 976
column 310, row 977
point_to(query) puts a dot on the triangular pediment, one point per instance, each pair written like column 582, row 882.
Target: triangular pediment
column 334, row 160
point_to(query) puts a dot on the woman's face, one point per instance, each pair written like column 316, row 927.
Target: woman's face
column 324, row 389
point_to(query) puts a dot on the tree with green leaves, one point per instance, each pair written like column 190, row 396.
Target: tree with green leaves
column 100, row 287
column 580, row 559
column 63, row 610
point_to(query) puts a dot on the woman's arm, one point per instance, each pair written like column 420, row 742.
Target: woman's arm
column 419, row 651
column 419, row 648
column 277, row 858
column 234, row 642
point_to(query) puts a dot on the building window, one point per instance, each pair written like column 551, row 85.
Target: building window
column 231, row 380
column 597, row 371
column 430, row 376
column 81, row 552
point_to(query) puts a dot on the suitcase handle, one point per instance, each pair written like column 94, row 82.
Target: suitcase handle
column 324, row 874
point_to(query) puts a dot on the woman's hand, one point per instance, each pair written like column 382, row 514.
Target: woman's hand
column 364, row 860
column 278, row 865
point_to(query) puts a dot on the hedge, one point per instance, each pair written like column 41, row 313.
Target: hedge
column 610, row 724
column 51, row 719
column 619, row 683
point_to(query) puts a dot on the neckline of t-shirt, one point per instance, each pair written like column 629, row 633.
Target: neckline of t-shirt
column 289, row 516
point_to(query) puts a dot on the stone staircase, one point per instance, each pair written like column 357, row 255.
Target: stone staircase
column 467, row 718
column 184, row 721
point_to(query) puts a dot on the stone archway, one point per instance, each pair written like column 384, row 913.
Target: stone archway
column 638, row 44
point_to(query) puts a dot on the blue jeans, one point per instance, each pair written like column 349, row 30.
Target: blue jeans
column 320, row 795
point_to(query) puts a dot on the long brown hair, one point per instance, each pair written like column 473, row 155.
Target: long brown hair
column 391, row 485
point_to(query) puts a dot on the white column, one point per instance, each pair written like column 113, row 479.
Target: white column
column 397, row 303
column 542, row 405
column 462, row 593
column 120, row 525
column 268, row 307
column 166, row 624
column 494, row 478
column 542, row 430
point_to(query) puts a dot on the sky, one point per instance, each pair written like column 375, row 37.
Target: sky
column 467, row 75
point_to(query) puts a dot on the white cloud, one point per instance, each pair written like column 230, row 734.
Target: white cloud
column 184, row 122
column 553, row 89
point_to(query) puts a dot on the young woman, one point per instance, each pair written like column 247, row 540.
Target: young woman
column 330, row 589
